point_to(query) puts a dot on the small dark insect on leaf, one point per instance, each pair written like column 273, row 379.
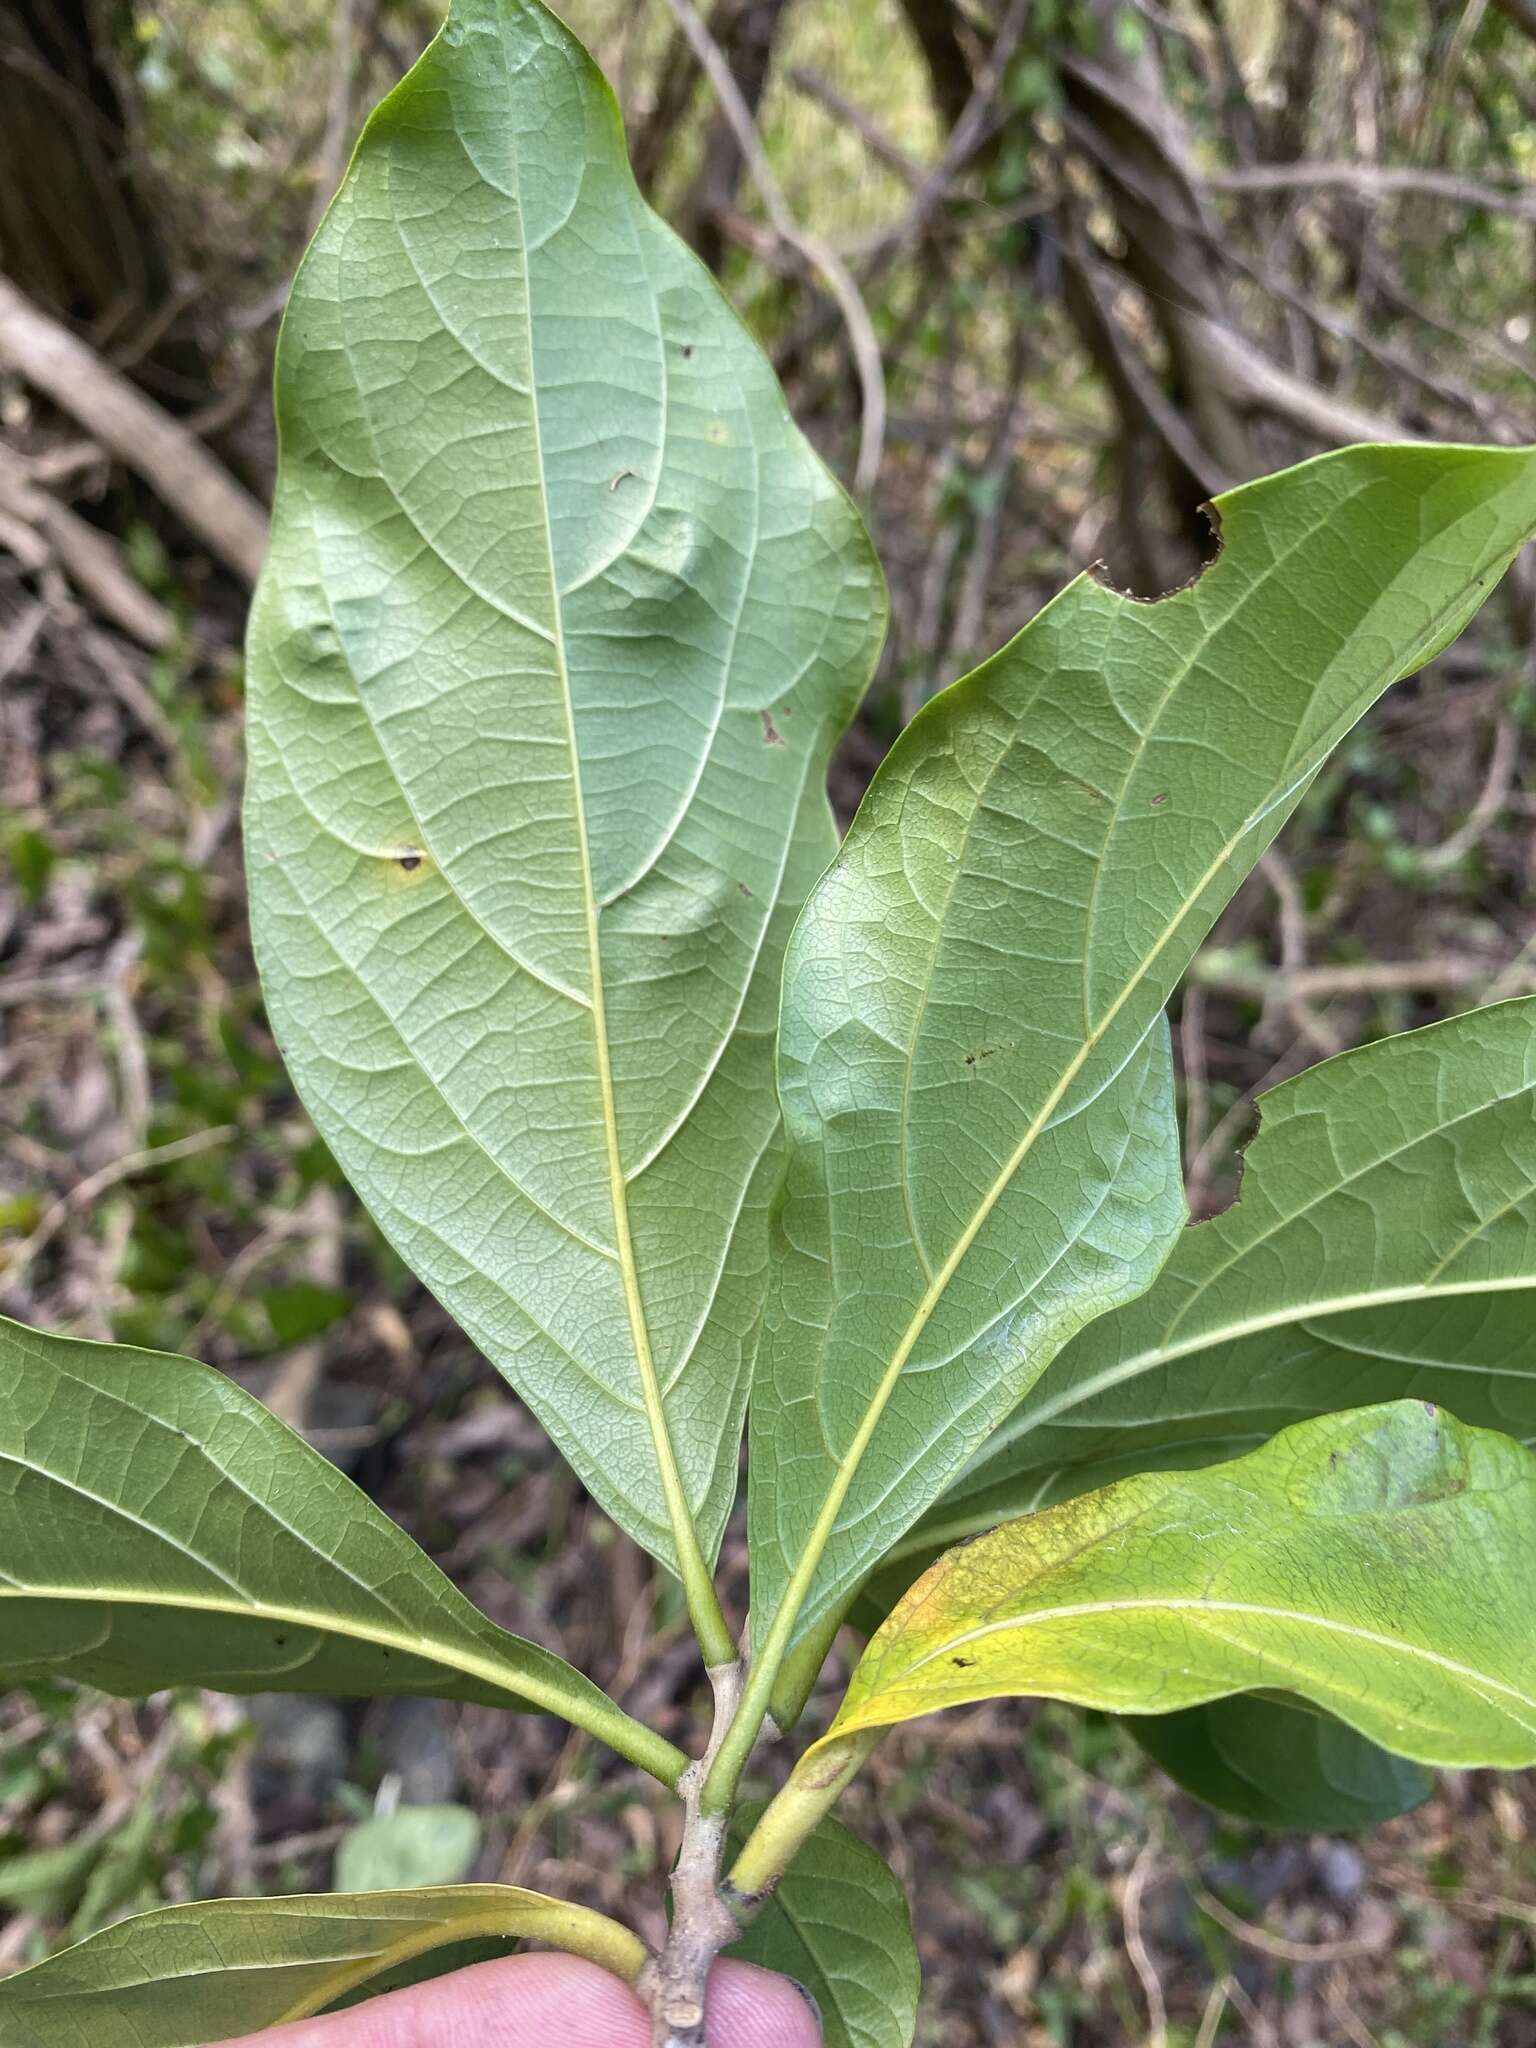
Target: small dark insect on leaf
column 410, row 862
column 1161, row 797
column 963, row 1663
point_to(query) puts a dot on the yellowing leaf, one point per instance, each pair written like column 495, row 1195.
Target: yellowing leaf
column 1380, row 1564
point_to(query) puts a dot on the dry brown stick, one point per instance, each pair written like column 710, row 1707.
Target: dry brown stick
column 130, row 688
column 1293, row 955
column 21, row 637
column 1276, row 1945
column 965, row 138
column 1136, row 1946
column 839, row 280
column 1215, row 2006
column 1371, row 179
column 332, row 159
column 1259, row 2028
column 1354, row 2028
column 86, row 1191
column 196, row 487
column 1199, row 1171
column 91, row 559
column 852, row 115
column 1362, row 978
column 1491, row 799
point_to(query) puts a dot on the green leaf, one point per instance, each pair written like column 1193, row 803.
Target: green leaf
column 125, row 1871
column 1383, row 1244
column 1379, row 1564
column 560, row 618
column 838, row 1924
column 414, row 1845
column 47, row 1881
column 972, row 1059
column 158, row 1527
column 1281, row 1764
column 186, row 1975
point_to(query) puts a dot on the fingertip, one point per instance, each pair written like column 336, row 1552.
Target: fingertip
column 530, row 2000
column 748, row 2007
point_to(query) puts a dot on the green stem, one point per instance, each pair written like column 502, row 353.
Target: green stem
column 731, row 1759
column 815, row 1784
column 628, row 1738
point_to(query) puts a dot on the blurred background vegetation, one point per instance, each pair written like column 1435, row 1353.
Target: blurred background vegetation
column 1039, row 276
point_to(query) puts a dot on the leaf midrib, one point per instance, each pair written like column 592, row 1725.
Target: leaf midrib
column 801, row 1580
column 1233, row 1332
column 690, row 1558
column 323, row 1624
column 1377, row 1161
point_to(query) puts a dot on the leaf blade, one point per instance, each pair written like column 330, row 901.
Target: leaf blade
column 1301, row 1566
column 838, row 1924
column 159, row 1527
column 561, row 619
column 183, row 1975
column 1085, row 801
column 1382, row 1245
column 1281, row 1765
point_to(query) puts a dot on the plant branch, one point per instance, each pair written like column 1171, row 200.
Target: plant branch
column 1365, row 978
column 839, row 280
column 673, row 1983
column 174, row 463
column 1373, row 180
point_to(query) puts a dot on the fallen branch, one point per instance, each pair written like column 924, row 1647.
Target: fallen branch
column 1363, row 978
column 176, row 466
column 839, row 281
column 84, row 1192
column 91, row 559
column 1372, row 179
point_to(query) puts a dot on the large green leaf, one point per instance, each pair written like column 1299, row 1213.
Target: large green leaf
column 159, row 1527
column 972, row 1060
column 186, row 1975
column 559, row 620
column 838, row 1924
column 1282, row 1764
column 1383, row 1243
column 1379, row 1564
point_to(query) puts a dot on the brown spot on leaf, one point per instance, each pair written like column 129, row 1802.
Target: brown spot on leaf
column 772, row 737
